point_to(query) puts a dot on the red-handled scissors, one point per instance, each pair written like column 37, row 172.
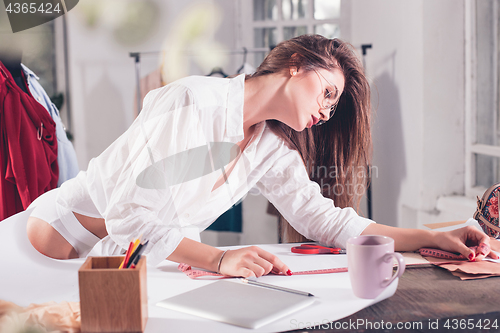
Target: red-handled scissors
column 316, row 249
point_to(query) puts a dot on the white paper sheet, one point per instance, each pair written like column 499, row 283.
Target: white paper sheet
column 28, row 277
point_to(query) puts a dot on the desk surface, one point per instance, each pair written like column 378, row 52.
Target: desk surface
column 426, row 294
column 423, row 293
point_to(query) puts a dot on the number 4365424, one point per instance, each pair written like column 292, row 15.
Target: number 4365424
column 32, row 8
column 486, row 324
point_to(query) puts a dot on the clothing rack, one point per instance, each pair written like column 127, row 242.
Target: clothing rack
column 137, row 63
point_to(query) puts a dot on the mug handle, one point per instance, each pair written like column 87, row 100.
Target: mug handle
column 399, row 271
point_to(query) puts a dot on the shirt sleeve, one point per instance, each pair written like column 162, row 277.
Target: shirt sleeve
column 288, row 187
column 131, row 203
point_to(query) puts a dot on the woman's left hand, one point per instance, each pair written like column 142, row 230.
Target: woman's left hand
column 460, row 240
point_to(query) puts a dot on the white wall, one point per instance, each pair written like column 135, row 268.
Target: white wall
column 417, row 69
column 103, row 76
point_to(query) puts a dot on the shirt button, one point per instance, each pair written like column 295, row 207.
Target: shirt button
column 186, row 215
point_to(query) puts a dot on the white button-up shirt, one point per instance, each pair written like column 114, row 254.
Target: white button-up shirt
column 156, row 179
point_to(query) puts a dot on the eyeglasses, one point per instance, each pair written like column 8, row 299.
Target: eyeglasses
column 330, row 99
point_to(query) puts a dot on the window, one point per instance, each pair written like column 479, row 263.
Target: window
column 482, row 95
column 272, row 21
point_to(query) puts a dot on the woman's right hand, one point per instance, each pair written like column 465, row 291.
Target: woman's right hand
column 251, row 262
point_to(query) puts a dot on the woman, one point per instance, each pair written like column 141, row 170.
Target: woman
column 158, row 180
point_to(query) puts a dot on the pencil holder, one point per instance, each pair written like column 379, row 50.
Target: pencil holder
column 112, row 299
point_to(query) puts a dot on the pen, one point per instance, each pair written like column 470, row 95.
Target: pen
column 133, row 256
column 316, row 249
column 136, row 261
column 270, row 286
column 134, row 246
column 140, row 248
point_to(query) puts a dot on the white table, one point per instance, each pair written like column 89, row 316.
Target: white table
column 28, row 277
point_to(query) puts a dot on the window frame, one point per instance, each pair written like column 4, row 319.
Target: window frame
column 471, row 91
column 247, row 25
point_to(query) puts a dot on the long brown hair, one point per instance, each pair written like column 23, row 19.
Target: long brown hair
column 337, row 154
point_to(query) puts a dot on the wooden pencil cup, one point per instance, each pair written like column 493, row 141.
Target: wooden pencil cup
column 112, row 299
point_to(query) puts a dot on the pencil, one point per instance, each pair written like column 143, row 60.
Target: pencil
column 270, row 286
column 138, row 251
column 127, row 255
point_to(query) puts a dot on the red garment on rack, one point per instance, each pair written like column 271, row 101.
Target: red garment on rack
column 28, row 148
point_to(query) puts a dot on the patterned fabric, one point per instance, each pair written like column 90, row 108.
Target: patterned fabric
column 487, row 211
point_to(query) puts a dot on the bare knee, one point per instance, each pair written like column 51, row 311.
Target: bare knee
column 46, row 240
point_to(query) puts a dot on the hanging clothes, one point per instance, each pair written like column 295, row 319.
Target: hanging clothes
column 28, row 148
column 231, row 220
column 66, row 155
column 146, row 84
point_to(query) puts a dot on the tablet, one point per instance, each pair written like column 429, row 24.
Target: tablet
column 237, row 303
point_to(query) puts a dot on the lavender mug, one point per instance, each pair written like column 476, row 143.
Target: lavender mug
column 370, row 264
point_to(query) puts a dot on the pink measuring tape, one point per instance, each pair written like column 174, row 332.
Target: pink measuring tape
column 483, row 248
column 198, row 273
column 440, row 254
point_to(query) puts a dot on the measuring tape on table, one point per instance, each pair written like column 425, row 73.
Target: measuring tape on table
column 199, row 274
column 481, row 248
column 440, row 254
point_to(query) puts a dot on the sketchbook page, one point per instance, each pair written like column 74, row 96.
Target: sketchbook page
column 447, row 226
column 412, row 258
column 444, row 224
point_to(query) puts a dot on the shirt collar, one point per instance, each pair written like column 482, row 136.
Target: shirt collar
column 29, row 72
column 234, row 111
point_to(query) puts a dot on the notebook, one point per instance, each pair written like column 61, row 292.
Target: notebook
column 237, row 303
